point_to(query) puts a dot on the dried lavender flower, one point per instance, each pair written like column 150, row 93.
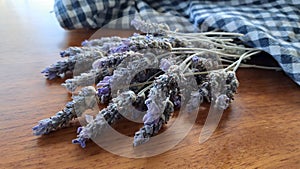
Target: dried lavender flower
column 150, row 129
column 57, row 69
column 125, row 72
column 223, row 82
column 84, row 100
column 114, row 40
column 159, row 106
column 232, row 84
column 85, row 79
column 104, row 94
column 106, row 116
column 101, row 67
column 105, row 81
column 82, row 57
column 147, row 27
column 222, row 101
column 90, row 51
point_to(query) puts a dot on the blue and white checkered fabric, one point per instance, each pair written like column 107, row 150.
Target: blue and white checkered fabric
column 269, row 25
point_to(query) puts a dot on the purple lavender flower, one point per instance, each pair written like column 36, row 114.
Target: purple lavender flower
column 82, row 137
column 91, row 130
column 101, row 68
column 104, row 94
column 105, row 81
column 195, row 59
column 84, row 100
column 80, row 141
column 159, row 107
column 120, row 49
column 79, row 129
column 61, row 119
column 60, row 67
column 50, row 73
column 150, row 129
column 125, row 46
column 63, row 54
column 43, row 127
column 103, row 90
column 85, row 43
column 153, row 112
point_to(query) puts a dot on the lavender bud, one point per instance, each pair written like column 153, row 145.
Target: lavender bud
column 195, row 59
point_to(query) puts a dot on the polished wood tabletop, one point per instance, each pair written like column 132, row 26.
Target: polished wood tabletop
column 261, row 128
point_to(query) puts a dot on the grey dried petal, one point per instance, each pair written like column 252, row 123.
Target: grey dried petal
column 222, row 102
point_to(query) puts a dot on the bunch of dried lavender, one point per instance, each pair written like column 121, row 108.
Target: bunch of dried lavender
column 120, row 66
column 139, row 42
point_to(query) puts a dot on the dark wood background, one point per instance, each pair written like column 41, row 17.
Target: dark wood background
column 261, row 129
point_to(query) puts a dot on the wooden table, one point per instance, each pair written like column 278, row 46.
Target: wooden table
column 261, row 129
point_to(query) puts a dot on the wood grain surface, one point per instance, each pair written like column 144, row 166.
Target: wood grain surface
column 261, row 129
